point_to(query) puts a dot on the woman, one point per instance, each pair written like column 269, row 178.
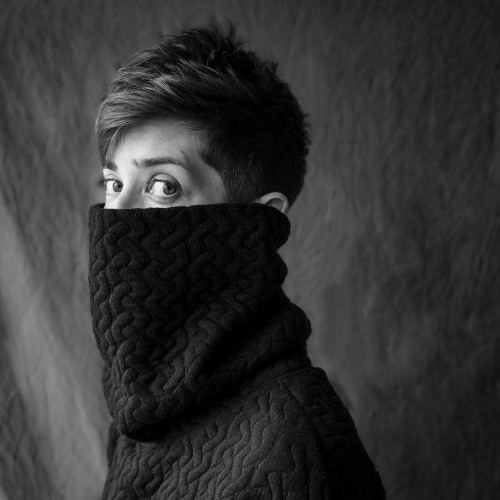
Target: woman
column 206, row 371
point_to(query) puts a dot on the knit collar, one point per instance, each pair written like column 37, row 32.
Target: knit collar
column 186, row 305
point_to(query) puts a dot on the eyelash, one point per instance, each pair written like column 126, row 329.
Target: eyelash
column 100, row 182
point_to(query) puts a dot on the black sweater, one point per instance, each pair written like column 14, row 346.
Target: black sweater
column 206, row 373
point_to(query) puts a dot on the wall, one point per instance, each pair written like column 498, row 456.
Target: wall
column 395, row 245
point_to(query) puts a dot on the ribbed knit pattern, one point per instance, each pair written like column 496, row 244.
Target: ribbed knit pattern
column 206, row 374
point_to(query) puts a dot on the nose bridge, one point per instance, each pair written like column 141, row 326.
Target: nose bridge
column 127, row 198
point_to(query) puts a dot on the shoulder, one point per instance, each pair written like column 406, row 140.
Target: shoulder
column 316, row 400
column 315, row 443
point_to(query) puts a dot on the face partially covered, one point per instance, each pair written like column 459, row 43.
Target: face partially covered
column 157, row 164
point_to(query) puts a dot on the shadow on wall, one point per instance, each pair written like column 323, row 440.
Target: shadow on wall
column 395, row 239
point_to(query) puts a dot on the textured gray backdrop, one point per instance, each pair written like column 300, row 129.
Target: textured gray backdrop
column 395, row 247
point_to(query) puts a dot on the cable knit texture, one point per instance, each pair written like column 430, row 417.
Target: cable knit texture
column 206, row 374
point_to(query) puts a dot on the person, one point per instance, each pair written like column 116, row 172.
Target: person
column 206, row 373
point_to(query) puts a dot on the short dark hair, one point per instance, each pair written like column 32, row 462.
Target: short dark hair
column 254, row 131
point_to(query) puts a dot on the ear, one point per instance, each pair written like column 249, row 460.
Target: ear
column 276, row 200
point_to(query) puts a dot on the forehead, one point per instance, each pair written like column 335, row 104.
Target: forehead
column 157, row 136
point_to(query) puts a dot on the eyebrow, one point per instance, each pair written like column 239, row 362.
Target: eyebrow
column 147, row 162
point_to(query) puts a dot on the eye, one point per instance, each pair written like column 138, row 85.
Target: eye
column 113, row 186
column 110, row 186
column 161, row 188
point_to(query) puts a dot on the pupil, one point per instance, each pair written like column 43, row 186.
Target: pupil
column 168, row 188
column 116, row 186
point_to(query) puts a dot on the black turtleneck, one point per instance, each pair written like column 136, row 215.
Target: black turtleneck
column 192, row 324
